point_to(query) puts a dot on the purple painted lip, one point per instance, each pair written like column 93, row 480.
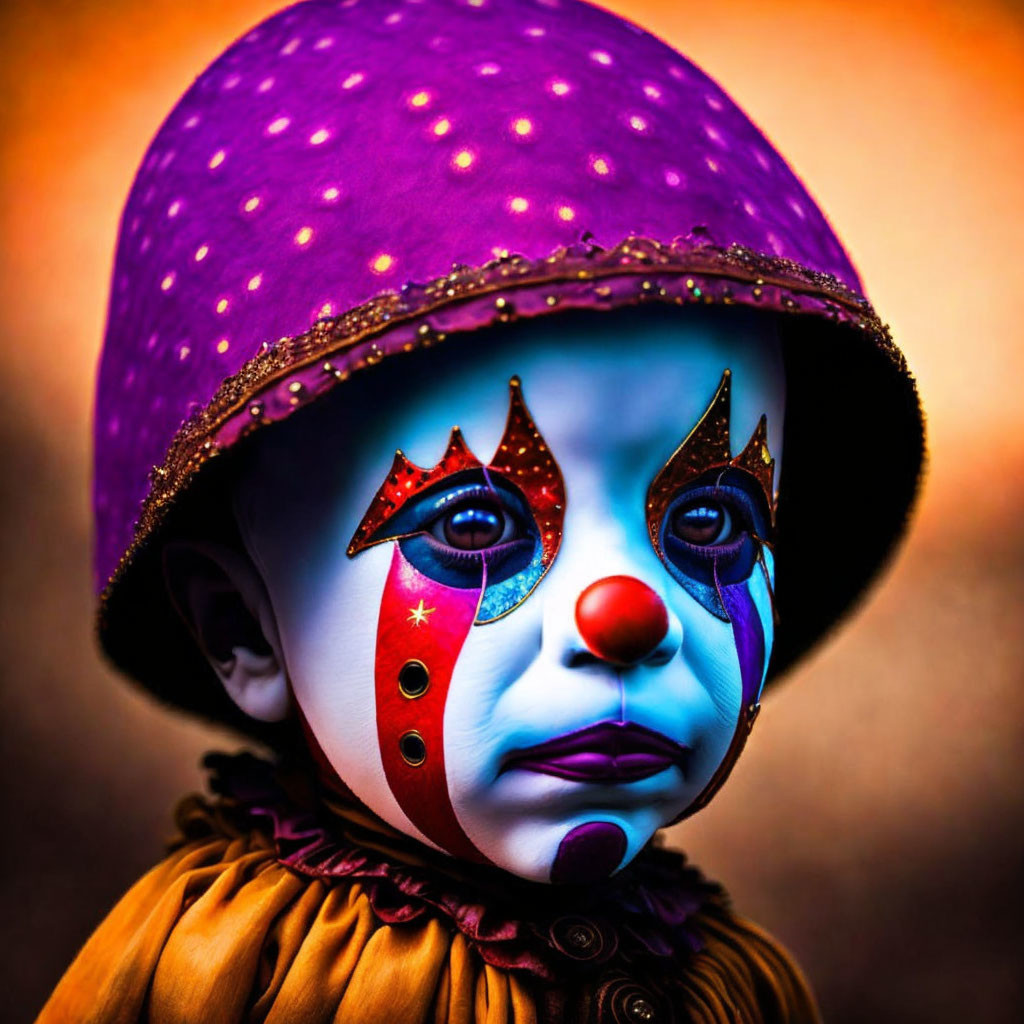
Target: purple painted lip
column 607, row 752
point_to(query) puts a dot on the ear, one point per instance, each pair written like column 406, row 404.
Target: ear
column 221, row 597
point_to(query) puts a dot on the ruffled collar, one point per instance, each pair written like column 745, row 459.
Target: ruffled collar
column 646, row 911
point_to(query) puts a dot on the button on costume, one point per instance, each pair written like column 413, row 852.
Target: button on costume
column 351, row 182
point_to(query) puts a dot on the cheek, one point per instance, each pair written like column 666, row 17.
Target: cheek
column 493, row 658
column 728, row 661
column 762, row 592
column 731, row 661
column 328, row 631
column 348, row 631
column 422, row 627
column 713, row 692
column 731, row 657
column 750, row 608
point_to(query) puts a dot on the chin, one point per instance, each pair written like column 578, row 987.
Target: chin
column 530, row 847
column 523, row 818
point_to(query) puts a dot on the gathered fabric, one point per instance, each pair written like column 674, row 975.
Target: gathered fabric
column 269, row 912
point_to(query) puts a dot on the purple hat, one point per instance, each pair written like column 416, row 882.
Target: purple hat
column 357, row 179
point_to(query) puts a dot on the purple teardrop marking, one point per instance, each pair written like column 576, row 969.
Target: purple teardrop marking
column 748, row 633
column 589, row 853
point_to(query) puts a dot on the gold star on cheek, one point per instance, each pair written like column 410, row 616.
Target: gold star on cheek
column 418, row 615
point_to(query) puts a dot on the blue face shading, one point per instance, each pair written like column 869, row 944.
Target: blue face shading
column 450, row 531
column 715, row 525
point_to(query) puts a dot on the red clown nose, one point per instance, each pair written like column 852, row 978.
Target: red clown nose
column 621, row 619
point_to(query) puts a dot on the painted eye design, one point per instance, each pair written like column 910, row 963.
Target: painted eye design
column 712, row 523
column 713, row 529
column 464, row 524
column 450, row 534
column 703, row 523
column 710, row 513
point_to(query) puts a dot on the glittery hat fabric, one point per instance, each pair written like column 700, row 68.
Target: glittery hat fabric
column 351, row 180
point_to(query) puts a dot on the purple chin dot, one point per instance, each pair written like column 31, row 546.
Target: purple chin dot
column 589, row 853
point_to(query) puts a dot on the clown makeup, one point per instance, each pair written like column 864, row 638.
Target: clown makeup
column 538, row 660
column 501, row 522
column 471, row 542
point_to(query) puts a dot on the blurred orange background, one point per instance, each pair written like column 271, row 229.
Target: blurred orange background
column 874, row 824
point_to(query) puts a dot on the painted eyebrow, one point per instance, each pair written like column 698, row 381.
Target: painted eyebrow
column 522, row 458
column 705, row 448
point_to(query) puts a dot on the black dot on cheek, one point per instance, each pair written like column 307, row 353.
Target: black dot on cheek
column 413, row 749
column 413, row 678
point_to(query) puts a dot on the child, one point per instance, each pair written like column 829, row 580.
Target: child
column 566, row 427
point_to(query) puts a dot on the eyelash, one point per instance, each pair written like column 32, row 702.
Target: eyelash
column 455, row 558
column 449, row 501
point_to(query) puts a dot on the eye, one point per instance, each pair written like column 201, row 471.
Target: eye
column 473, row 527
column 710, row 536
column 703, row 523
column 450, row 534
column 472, row 517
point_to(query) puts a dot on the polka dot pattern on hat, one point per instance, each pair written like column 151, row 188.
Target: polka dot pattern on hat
column 340, row 149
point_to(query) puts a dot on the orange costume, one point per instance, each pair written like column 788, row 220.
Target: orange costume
column 223, row 931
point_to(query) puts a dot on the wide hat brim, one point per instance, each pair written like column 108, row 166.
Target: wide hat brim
column 854, row 433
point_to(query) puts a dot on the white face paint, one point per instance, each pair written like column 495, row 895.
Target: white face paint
column 613, row 396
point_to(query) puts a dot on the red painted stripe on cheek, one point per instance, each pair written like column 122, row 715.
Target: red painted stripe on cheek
column 421, row 621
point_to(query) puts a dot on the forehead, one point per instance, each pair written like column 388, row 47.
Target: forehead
column 616, row 391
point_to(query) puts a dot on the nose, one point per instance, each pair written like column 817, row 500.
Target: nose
column 621, row 620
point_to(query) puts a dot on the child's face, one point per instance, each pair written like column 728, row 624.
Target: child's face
column 511, row 663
